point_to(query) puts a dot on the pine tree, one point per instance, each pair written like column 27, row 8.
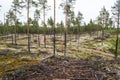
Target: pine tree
column 67, row 6
column 10, row 18
column 116, row 13
column 54, row 41
column 43, row 5
column 103, row 20
column 16, row 7
column 37, row 17
column 28, row 4
column 79, row 21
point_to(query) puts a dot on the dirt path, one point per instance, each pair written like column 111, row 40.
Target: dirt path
column 97, row 51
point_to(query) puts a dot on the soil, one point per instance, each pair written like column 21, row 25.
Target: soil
column 68, row 69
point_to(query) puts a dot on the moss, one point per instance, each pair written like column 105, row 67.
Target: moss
column 85, row 56
column 6, row 60
column 8, row 64
column 10, row 68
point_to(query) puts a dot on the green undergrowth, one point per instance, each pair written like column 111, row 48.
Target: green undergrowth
column 77, row 54
column 10, row 68
column 105, row 47
column 9, row 64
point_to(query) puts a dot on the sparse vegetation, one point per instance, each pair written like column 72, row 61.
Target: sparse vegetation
column 51, row 50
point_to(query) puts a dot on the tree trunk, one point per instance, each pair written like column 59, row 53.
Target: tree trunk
column 38, row 37
column 70, row 39
column 5, row 29
column 12, row 34
column 28, row 26
column 45, row 28
column 65, row 43
column 15, row 28
column 116, row 47
column 102, row 36
column 78, row 36
column 54, row 27
column 66, row 25
column 117, row 39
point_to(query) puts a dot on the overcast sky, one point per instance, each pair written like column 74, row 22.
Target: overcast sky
column 89, row 8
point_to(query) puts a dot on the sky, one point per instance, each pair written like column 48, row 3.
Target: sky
column 89, row 8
